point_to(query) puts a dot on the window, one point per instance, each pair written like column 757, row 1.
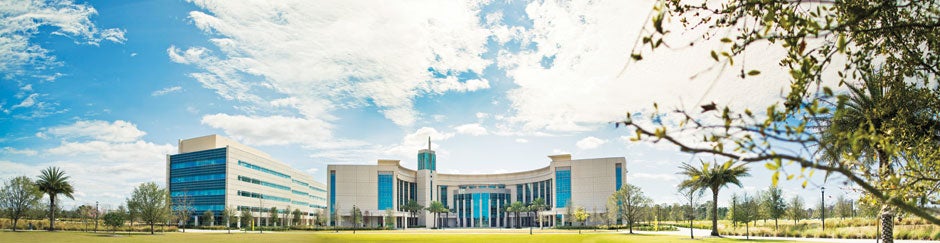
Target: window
column 263, row 196
column 262, row 169
column 332, row 191
column 263, row 183
column 214, row 192
column 209, row 177
column 443, row 195
column 562, row 186
column 519, row 192
column 385, row 190
column 619, row 174
column 197, row 163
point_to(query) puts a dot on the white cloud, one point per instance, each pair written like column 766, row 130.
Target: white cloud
column 522, row 140
column 23, row 19
column 117, row 131
column 28, row 152
column 114, row 151
column 589, row 45
column 481, row 115
column 359, row 55
column 653, row 176
column 166, row 90
column 590, row 143
column 277, row 130
column 473, row 129
column 412, row 142
column 312, row 171
column 28, row 102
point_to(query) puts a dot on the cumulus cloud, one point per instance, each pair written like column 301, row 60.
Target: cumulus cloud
column 28, row 152
column 166, row 90
column 117, row 131
column 572, row 80
column 590, row 143
column 271, row 130
column 23, row 19
column 28, row 102
column 473, row 129
column 412, row 142
column 358, row 56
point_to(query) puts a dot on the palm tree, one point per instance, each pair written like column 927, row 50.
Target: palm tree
column 714, row 178
column 875, row 112
column 516, row 208
column 537, row 206
column 412, row 207
column 437, row 208
column 53, row 181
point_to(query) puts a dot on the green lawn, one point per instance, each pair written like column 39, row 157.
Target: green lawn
column 342, row 237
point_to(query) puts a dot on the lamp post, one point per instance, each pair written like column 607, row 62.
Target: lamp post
column 96, row 216
column 822, row 213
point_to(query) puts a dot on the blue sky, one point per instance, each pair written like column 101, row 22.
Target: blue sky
column 105, row 89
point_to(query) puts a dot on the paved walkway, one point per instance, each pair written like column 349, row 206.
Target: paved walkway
column 707, row 233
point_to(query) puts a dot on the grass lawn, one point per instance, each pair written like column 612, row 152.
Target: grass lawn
column 343, row 237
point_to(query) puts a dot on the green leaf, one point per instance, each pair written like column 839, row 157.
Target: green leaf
column 753, row 73
column 636, row 57
column 770, row 166
column 775, row 178
column 726, row 40
column 715, row 55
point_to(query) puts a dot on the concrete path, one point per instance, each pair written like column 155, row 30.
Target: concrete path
column 706, row 233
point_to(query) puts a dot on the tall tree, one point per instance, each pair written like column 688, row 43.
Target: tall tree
column 888, row 47
column 580, row 215
column 690, row 194
column 296, row 216
column 115, row 219
column 53, row 181
column 437, row 208
column 516, row 208
column 631, row 202
column 182, row 208
column 272, row 216
column 796, row 210
column 748, row 213
column 208, row 217
column 713, row 178
column 775, row 204
column 227, row 214
column 17, row 196
column 246, row 218
column 536, row 206
column 150, row 203
column 412, row 207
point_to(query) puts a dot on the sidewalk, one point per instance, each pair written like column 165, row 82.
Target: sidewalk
column 706, row 233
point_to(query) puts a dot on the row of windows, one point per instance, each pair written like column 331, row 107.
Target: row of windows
column 300, row 192
column 263, row 196
column 210, row 177
column 301, row 183
column 482, row 186
column 317, row 189
column 200, row 208
column 262, row 169
column 317, row 197
column 213, row 192
column 263, row 183
column 216, row 161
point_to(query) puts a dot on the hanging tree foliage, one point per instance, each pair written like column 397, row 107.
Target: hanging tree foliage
column 879, row 126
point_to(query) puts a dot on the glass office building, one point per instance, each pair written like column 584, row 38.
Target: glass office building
column 473, row 200
column 212, row 173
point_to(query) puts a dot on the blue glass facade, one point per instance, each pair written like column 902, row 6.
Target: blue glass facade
column 427, row 160
column 562, row 186
column 619, row 181
column 200, row 176
column 385, row 190
column 332, row 192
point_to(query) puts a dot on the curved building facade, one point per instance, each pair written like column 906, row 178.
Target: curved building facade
column 474, row 200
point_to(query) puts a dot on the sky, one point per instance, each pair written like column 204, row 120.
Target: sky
column 105, row 89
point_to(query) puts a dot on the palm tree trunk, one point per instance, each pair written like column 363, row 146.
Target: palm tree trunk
column 51, row 212
column 887, row 218
column 715, row 212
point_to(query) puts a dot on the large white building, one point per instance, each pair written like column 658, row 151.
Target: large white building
column 214, row 172
column 474, row 200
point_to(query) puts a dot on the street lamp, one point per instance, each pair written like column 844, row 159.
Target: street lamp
column 96, row 216
column 822, row 213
